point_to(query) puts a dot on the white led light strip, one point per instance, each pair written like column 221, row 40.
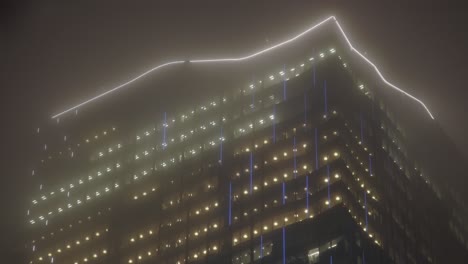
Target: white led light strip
column 118, row 87
column 250, row 57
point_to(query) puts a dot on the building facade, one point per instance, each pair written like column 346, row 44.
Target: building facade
column 307, row 164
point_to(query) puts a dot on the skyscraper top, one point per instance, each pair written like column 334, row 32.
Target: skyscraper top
column 252, row 56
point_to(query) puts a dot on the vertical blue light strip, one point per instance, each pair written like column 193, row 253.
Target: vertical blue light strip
column 294, row 154
column 316, row 150
column 284, row 245
column 164, row 130
column 331, row 259
column 328, row 187
column 365, row 205
column 251, row 172
column 230, row 204
column 307, row 194
column 325, row 97
column 261, row 246
column 283, row 192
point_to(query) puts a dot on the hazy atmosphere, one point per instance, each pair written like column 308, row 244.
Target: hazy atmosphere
column 55, row 55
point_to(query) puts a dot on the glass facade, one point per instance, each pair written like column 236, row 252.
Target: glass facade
column 305, row 165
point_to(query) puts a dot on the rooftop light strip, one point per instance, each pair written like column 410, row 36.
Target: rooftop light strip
column 118, row 87
column 267, row 49
column 378, row 72
column 253, row 55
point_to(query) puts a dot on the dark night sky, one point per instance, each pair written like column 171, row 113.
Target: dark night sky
column 55, row 54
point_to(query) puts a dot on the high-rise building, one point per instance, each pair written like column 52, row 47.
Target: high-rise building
column 316, row 159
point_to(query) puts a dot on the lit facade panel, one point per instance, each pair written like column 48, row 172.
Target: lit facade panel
column 242, row 178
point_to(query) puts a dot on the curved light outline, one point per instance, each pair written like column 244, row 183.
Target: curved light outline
column 252, row 56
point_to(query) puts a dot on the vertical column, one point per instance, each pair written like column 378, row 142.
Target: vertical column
column 284, row 245
column 283, row 191
column 261, row 246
